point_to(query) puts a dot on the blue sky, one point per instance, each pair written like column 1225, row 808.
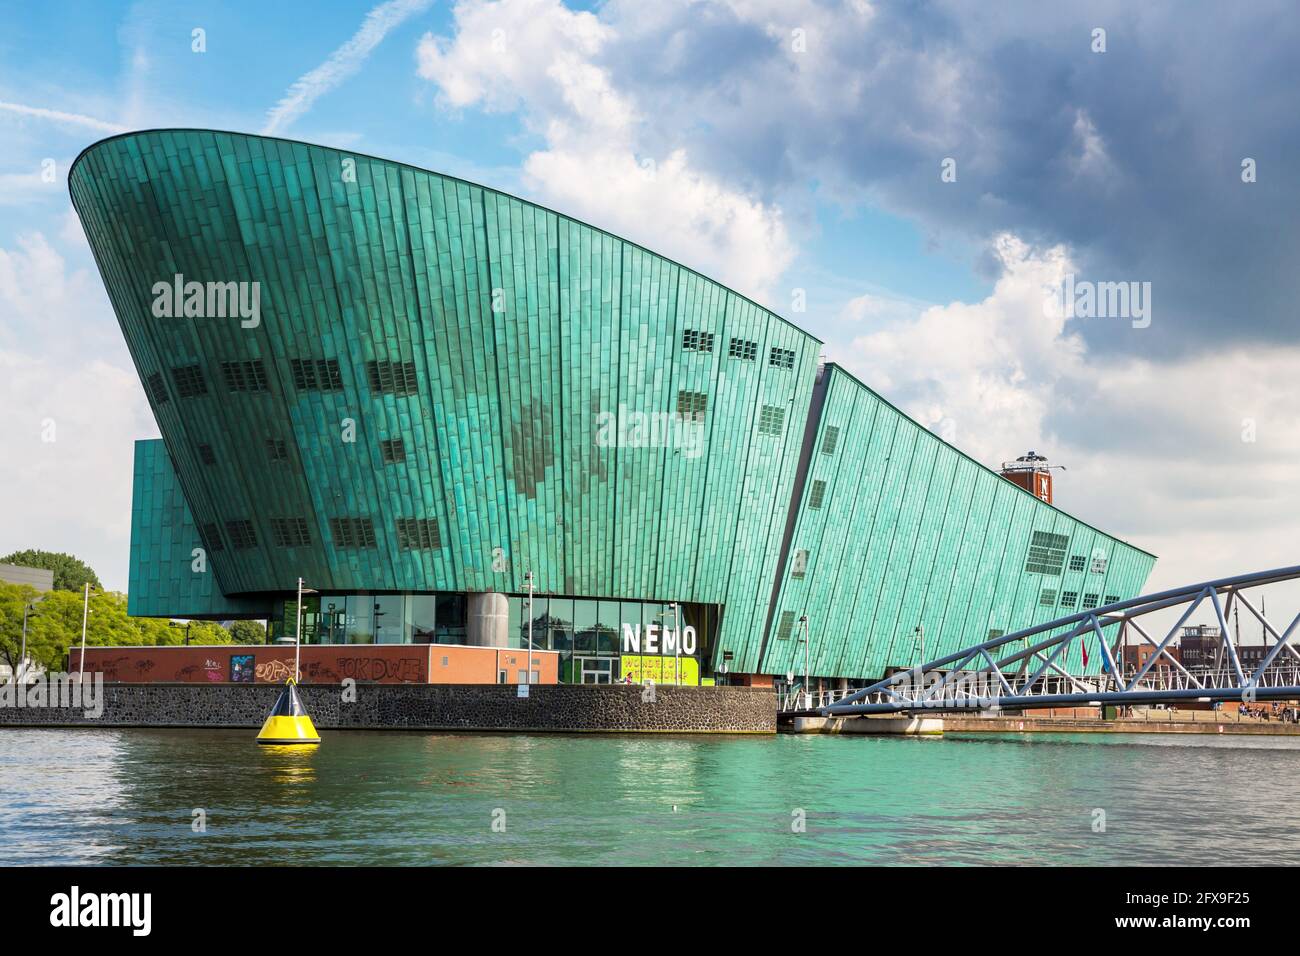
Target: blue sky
column 793, row 150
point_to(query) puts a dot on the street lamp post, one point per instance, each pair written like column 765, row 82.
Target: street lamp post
column 920, row 636
column 85, row 613
column 22, row 654
column 677, row 643
column 528, row 661
column 807, row 689
column 297, row 632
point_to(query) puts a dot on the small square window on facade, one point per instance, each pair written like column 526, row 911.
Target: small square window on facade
column 157, row 388
column 771, row 420
column 241, row 534
column 694, row 340
column 393, row 450
column 1069, row 600
column 1077, row 562
column 319, row 375
column 1098, row 564
column 830, row 438
column 786, row 626
column 395, row 378
column 995, row 633
column 244, row 376
column 781, row 358
column 1089, row 602
column 277, row 450
column 189, row 382
column 799, row 564
column 691, row 406
column 1046, row 553
column 290, row 532
column 743, row 349
column 1111, row 599
column 207, row 455
column 1047, row 598
column 211, row 536
column 418, row 534
column 816, row 494
column 352, row 532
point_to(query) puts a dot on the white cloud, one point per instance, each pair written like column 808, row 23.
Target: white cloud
column 65, row 374
column 58, row 116
column 341, row 64
column 1154, row 453
column 546, row 61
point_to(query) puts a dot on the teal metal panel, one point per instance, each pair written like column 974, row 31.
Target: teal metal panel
column 905, row 531
column 171, row 574
column 523, row 329
column 491, row 342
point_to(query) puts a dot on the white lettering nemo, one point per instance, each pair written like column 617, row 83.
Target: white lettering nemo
column 658, row 640
column 103, row 909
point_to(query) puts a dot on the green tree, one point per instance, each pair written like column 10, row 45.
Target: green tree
column 70, row 573
column 248, row 632
column 13, row 598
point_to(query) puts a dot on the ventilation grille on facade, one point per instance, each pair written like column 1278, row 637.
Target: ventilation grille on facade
column 743, row 349
column 418, row 534
column 781, row 358
column 352, row 532
column 816, row 494
column 395, row 377
column 211, row 536
column 799, row 564
column 189, row 381
column 290, row 532
column 244, row 376
column 241, row 534
column 321, row 375
column 694, row 340
column 157, row 388
column 393, row 450
column 785, row 626
column 830, row 438
column 691, row 406
column 1046, row 553
column 771, row 420
column 207, row 455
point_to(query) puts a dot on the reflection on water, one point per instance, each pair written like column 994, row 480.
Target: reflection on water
column 129, row 796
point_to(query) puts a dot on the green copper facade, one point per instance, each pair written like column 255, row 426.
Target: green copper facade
column 445, row 387
column 896, row 530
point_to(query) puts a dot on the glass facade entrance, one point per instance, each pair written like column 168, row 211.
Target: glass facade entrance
column 588, row 633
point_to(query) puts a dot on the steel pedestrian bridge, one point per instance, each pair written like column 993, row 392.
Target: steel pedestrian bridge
column 1023, row 669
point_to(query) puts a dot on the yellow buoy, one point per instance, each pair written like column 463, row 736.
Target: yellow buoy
column 288, row 722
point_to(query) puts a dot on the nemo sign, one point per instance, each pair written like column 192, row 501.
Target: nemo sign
column 653, row 639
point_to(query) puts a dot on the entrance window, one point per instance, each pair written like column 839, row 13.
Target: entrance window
column 387, row 610
column 584, row 627
column 450, row 614
column 595, row 670
column 359, row 627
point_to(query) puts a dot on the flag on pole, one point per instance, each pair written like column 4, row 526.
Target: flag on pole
column 1084, row 645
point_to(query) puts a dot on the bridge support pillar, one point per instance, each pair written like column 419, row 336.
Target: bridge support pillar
column 904, row 726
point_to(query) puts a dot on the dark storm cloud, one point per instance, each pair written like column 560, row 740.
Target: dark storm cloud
column 1132, row 156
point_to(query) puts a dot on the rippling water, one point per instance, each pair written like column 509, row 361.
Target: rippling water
column 127, row 796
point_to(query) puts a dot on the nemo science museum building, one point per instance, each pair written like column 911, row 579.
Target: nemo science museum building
column 422, row 396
